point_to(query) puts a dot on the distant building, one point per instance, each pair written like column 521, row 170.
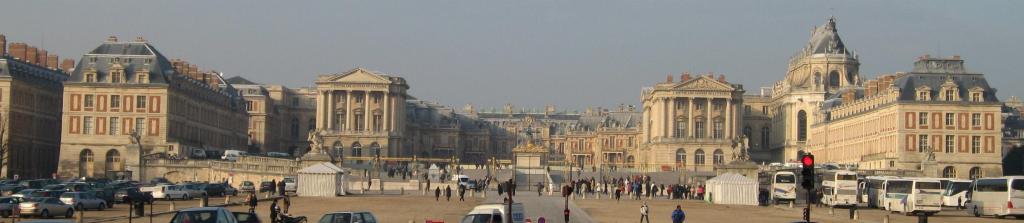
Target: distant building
column 123, row 87
column 30, row 107
column 939, row 119
column 362, row 113
column 280, row 118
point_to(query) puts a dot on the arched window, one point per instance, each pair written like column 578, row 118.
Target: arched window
column 375, row 148
column 850, row 78
column 747, row 131
column 833, row 79
column 338, row 149
column 764, row 137
column 975, row 173
column 801, row 126
column 295, row 127
column 718, row 157
column 357, row 149
column 630, row 160
column 698, row 157
column 85, row 163
column 114, row 161
column 311, row 123
column 949, row 172
column 680, row 157
column 817, row 78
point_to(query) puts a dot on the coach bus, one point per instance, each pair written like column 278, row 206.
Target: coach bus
column 998, row 196
column 783, row 187
column 912, row 196
column 839, row 188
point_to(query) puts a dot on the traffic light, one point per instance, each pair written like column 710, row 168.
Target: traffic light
column 807, row 161
column 807, row 214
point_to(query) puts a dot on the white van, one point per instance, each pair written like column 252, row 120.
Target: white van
column 998, row 196
column 955, row 193
column 232, row 155
column 840, row 188
column 912, row 196
column 463, row 180
column 783, row 187
column 495, row 213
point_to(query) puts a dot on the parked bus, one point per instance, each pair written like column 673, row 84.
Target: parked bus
column 955, row 193
column 839, row 188
column 874, row 187
column 999, row 196
column 913, row 196
column 783, row 187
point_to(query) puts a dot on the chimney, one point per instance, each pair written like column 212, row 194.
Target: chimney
column 848, row 96
column 31, row 55
column 668, row 79
column 51, row 61
column 721, row 78
column 67, row 65
column 18, row 50
column 41, row 57
column 3, row 45
column 112, row 39
column 686, row 76
column 872, row 87
column 140, row 39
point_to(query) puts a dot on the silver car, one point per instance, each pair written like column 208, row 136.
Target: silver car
column 193, row 190
column 7, row 205
column 83, row 200
column 45, row 207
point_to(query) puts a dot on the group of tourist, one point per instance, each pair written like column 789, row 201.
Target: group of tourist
column 635, row 187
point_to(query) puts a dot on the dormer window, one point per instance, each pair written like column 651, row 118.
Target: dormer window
column 142, row 76
column 977, row 94
column 923, row 96
column 117, row 76
column 90, row 77
column 976, row 97
column 950, row 96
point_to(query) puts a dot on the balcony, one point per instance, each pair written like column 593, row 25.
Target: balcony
column 358, row 133
column 690, row 140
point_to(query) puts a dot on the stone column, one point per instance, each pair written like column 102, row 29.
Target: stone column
column 330, row 109
column 689, row 120
column 657, row 113
column 366, row 111
column 384, row 127
column 707, row 124
column 320, row 109
column 728, row 118
column 672, row 124
column 348, row 111
column 667, row 123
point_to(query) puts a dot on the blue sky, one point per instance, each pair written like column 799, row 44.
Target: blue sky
column 530, row 53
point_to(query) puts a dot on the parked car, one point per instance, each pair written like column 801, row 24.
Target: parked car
column 291, row 184
column 45, row 207
column 33, row 193
column 55, row 187
column 159, row 180
column 349, row 217
column 232, row 155
column 107, row 194
column 83, row 200
column 37, row 184
column 220, row 189
column 7, row 205
column 267, row 186
column 9, row 189
column 205, row 215
column 247, row 186
column 246, row 217
column 166, row 192
column 194, row 189
column 132, row 194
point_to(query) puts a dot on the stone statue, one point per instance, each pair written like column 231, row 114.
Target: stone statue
column 741, row 147
column 316, row 141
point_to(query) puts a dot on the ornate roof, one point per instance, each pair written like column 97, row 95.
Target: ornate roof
column 825, row 40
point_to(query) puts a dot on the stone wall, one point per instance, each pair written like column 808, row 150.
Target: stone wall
column 247, row 168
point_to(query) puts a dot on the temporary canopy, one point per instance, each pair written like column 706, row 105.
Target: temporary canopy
column 322, row 180
column 731, row 188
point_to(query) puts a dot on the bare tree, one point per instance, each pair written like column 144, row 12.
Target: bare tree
column 4, row 147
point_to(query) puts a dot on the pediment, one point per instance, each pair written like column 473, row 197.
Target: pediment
column 360, row 75
column 703, row 83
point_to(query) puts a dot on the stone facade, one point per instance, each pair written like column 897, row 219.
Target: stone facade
column 360, row 113
column 692, row 124
column 125, row 87
column 938, row 118
column 280, row 118
column 30, row 103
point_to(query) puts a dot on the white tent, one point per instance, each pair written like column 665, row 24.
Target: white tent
column 322, row 180
column 731, row 188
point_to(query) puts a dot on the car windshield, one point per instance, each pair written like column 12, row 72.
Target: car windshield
column 25, row 192
column 67, row 195
column 479, row 218
column 53, row 187
column 336, row 218
column 195, row 217
column 785, row 179
column 846, row 177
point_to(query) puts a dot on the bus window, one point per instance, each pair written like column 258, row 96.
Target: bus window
column 902, row 187
column 1018, row 184
column 991, row 185
column 932, row 187
column 788, row 179
column 846, row 177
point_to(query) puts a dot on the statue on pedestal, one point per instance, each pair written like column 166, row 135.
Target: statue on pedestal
column 316, row 141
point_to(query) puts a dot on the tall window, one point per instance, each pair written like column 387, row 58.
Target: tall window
column 114, row 161
column 140, row 102
column 699, row 126
column 833, row 79
column 975, row 144
column 85, row 163
column 922, row 143
column 922, row 118
column 681, row 129
column 115, row 101
column 976, row 97
column 949, row 95
column 88, row 101
column 698, row 157
column 718, row 129
column 311, row 123
column 680, row 157
column 718, row 157
column 975, row 173
column 87, row 125
column 950, row 143
column 976, row 119
column 115, row 124
column 747, row 132
column 764, row 137
column 764, row 110
column 949, row 172
column 295, row 127
column 801, row 125
column 950, row 119
column 248, row 105
column 140, row 125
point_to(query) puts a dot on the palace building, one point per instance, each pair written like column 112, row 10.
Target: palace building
column 124, row 88
column 280, row 118
column 362, row 113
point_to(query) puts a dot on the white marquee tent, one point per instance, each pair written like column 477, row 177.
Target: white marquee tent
column 322, row 180
column 731, row 188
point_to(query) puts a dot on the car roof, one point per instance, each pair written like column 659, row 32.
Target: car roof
column 347, row 212
column 202, row 209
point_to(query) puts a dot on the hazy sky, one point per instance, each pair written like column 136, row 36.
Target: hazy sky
column 530, row 53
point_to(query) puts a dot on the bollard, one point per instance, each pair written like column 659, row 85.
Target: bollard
column 171, row 207
column 80, row 217
column 403, row 190
column 853, row 211
column 831, row 210
column 922, row 218
column 856, row 214
column 885, row 219
column 791, row 204
column 227, row 199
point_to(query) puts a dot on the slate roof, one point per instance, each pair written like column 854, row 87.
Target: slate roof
column 933, row 72
column 130, row 55
column 825, row 39
column 239, row 80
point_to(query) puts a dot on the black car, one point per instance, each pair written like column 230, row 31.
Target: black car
column 266, row 186
column 132, row 194
column 220, row 190
column 9, row 189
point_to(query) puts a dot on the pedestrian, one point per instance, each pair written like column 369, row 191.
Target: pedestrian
column 448, row 193
column 287, row 203
column 273, row 189
column 678, row 216
column 273, row 211
column 643, row 213
column 618, row 195
column 462, row 193
column 437, row 194
column 280, row 187
column 540, row 188
column 253, row 202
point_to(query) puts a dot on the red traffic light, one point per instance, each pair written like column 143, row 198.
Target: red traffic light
column 807, row 161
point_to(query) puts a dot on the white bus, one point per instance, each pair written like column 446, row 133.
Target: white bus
column 839, row 188
column 783, row 187
column 955, row 193
column 874, row 189
column 912, row 196
column 999, row 196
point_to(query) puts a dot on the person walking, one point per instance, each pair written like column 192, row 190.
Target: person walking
column 273, row 188
column 253, row 202
column 643, row 213
column 678, row 216
column 462, row 193
column 274, row 211
column 540, row 189
column 280, row 188
column 437, row 194
column 448, row 193
column 287, row 203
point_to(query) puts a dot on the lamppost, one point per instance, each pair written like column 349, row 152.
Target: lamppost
column 568, row 193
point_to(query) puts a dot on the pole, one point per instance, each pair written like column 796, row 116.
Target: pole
column 568, row 193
